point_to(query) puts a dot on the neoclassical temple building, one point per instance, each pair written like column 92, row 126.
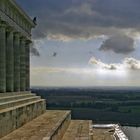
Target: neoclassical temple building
column 15, row 39
column 17, row 104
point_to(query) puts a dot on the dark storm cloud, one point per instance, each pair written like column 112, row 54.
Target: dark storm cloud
column 83, row 18
column 118, row 44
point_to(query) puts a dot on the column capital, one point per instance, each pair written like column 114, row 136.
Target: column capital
column 28, row 41
column 9, row 29
column 2, row 24
column 17, row 34
column 22, row 38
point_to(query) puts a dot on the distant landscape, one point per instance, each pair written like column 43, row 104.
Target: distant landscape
column 102, row 105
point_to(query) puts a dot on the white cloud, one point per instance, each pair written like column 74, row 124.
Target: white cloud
column 126, row 64
column 117, row 74
column 132, row 63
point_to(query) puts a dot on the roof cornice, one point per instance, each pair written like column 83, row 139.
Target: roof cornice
column 22, row 12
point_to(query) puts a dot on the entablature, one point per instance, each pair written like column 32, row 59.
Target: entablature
column 13, row 15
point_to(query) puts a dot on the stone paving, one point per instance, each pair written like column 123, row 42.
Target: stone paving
column 78, row 130
column 103, row 134
column 57, row 125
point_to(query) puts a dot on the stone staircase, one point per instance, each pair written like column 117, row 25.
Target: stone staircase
column 16, row 109
column 23, row 116
column 53, row 125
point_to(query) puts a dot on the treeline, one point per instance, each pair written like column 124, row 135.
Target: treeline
column 99, row 105
column 118, row 95
column 104, row 106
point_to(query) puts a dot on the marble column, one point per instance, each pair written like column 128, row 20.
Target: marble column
column 2, row 57
column 16, row 62
column 27, row 50
column 9, row 61
column 22, row 65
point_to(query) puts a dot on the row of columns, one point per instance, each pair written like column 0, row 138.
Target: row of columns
column 14, row 61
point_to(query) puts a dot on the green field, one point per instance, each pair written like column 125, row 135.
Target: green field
column 100, row 106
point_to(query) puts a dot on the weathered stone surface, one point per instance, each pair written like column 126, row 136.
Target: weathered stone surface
column 16, row 102
column 49, row 126
column 2, row 57
column 15, row 97
column 22, row 65
column 27, row 59
column 16, row 62
column 16, row 114
column 78, row 130
column 102, row 134
column 13, row 93
column 9, row 61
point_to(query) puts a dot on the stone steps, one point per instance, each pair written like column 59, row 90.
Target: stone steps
column 22, row 109
column 78, row 130
column 15, row 97
column 18, row 102
column 24, row 117
column 49, row 126
column 14, row 93
column 53, row 125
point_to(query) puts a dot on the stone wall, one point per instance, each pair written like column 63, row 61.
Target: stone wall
column 13, row 118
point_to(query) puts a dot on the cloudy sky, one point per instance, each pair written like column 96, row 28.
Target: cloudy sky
column 85, row 42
